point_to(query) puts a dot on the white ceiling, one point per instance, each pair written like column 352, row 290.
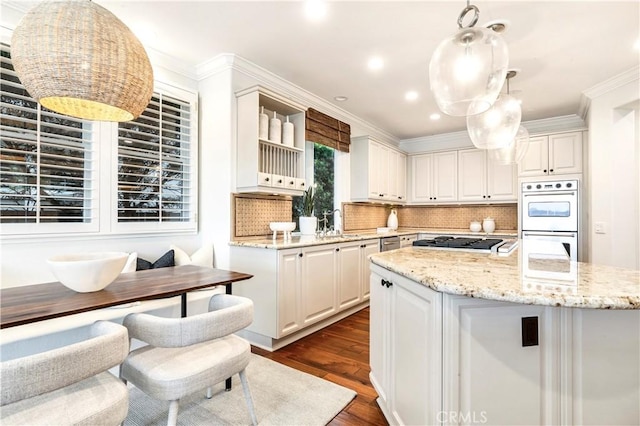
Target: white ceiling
column 561, row 47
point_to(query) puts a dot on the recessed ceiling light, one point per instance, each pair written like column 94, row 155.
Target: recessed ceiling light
column 375, row 63
column 340, row 98
column 435, row 116
column 411, row 95
column 315, row 10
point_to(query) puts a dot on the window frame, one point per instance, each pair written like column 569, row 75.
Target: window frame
column 159, row 226
column 104, row 208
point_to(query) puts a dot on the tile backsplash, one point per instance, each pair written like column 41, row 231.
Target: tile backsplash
column 252, row 214
column 370, row 216
column 458, row 217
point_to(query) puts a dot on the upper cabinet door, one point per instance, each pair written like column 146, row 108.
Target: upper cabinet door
column 445, row 177
column 421, row 177
column 502, row 183
column 565, row 153
column 536, row 160
column 472, row 172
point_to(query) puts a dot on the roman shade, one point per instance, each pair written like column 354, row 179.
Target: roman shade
column 326, row 130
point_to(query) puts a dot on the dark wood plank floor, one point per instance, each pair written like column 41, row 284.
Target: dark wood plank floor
column 338, row 353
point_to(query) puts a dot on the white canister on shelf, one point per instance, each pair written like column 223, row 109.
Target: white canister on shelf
column 489, row 225
column 392, row 220
column 275, row 129
column 475, row 226
column 263, row 125
column 287, row 133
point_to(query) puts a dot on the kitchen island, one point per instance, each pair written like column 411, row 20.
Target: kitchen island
column 529, row 338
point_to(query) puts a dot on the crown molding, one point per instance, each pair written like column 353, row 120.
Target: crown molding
column 613, row 83
column 461, row 140
column 171, row 63
column 289, row 90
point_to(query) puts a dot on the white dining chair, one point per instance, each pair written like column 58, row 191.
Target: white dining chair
column 187, row 355
column 68, row 385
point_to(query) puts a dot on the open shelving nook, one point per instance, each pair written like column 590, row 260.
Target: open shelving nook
column 263, row 165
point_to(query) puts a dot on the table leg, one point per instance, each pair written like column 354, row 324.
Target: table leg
column 183, row 305
column 227, row 383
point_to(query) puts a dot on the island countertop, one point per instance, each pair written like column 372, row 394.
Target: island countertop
column 516, row 278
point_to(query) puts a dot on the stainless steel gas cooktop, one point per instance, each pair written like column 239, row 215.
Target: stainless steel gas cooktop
column 481, row 245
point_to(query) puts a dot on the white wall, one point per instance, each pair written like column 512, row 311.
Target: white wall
column 613, row 167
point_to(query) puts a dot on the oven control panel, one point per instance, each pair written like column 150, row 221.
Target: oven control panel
column 546, row 186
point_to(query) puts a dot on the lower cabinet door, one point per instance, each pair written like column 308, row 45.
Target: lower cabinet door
column 288, row 308
column 605, row 364
column 318, row 282
column 490, row 376
column 349, row 275
column 379, row 338
column 416, row 353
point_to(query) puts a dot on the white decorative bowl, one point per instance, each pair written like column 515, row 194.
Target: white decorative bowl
column 87, row 272
column 282, row 226
column 475, row 226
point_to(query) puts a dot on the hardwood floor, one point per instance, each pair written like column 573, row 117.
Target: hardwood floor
column 338, row 353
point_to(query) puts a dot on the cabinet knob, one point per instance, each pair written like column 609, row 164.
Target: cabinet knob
column 338, row 249
column 544, row 171
column 302, row 184
column 279, row 180
column 383, row 282
column 551, row 170
column 484, row 196
column 291, row 183
column 380, row 195
column 300, row 255
column 266, row 179
column 488, row 196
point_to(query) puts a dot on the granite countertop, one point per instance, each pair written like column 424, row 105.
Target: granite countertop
column 366, row 234
column 529, row 279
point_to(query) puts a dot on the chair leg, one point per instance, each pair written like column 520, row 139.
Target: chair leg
column 172, row 419
column 247, row 397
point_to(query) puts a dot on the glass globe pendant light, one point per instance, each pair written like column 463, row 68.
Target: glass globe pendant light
column 467, row 69
column 515, row 151
column 497, row 127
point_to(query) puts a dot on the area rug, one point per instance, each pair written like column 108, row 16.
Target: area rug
column 281, row 396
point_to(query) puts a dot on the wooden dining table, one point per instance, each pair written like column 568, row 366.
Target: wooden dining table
column 39, row 302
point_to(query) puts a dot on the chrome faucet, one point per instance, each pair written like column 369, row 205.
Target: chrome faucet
column 325, row 220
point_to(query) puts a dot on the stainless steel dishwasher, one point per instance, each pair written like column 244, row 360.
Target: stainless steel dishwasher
column 389, row 243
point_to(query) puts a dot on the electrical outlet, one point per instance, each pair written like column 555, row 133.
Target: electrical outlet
column 600, row 228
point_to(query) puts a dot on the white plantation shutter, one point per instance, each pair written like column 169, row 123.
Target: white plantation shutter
column 156, row 164
column 46, row 163
column 50, row 179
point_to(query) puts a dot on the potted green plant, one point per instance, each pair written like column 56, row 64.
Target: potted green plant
column 308, row 222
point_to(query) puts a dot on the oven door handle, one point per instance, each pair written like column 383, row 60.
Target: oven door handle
column 546, row 194
column 549, row 234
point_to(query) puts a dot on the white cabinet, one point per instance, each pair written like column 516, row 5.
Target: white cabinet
column 353, row 271
column 605, row 364
column 434, row 177
column 264, row 165
column 293, row 289
column 489, row 374
column 318, row 283
column 407, row 240
column 481, row 179
column 406, row 331
column 377, row 172
column 552, row 155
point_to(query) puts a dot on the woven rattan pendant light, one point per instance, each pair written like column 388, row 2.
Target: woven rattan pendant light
column 76, row 58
